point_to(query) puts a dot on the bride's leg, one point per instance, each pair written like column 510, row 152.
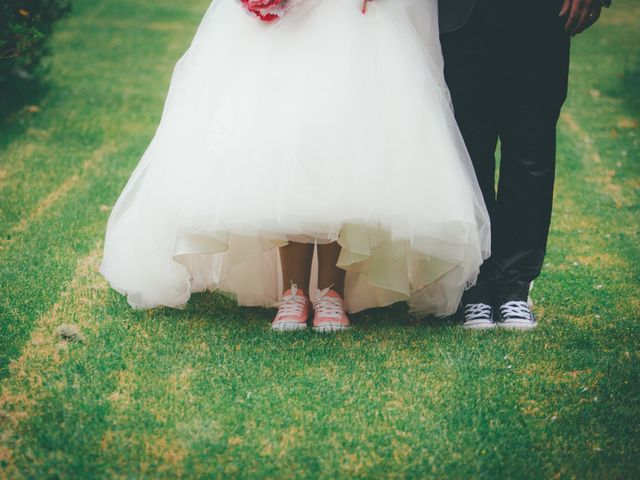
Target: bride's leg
column 329, row 307
column 295, row 259
column 294, row 305
column 328, row 273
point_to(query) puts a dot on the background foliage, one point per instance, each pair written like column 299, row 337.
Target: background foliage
column 25, row 26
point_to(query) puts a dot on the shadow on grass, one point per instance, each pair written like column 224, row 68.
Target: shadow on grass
column 207, row 310
column 627, row 85
column 16, row 95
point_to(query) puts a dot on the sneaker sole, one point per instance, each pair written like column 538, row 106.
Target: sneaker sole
column 479, row 326
column 518, row 326
column 330, row 328
column 288, row 326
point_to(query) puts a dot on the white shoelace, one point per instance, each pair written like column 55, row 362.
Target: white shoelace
column 477, row 311
column 292, row 304
column 328, row 307
column 516, row 310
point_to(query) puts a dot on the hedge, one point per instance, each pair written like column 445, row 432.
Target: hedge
column 24, row 28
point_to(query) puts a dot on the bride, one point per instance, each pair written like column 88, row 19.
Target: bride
column 313, row 151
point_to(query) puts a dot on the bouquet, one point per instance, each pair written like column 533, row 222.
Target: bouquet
column 267, row 10
column 272, row 10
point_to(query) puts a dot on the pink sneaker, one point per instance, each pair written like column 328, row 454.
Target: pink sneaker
column 293, row 310
column 329, row 312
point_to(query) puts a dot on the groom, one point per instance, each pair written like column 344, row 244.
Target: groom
column 506, row 65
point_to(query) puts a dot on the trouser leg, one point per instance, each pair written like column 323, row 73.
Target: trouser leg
column 468, row 72
column 533, row 79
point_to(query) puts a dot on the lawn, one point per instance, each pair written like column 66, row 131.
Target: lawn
column 211, row 391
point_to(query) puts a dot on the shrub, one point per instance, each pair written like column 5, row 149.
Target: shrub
column 24, row 28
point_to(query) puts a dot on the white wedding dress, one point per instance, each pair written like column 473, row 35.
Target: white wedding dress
column 329, row 125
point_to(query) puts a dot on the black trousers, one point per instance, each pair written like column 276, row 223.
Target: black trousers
column 507, row 71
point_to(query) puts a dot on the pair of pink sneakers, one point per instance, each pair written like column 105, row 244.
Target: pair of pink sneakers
column 295, row 306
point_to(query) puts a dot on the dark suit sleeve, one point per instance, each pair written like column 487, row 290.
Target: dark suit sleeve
column 606, row 3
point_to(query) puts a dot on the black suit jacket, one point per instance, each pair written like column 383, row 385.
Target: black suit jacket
column 453, row 14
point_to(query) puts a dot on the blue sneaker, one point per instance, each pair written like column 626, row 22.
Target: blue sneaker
column 478, row 316
column 516, row 315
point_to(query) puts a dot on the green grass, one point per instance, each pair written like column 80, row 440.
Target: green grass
column 211, row 391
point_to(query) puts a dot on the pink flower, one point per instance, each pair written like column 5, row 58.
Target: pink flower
column 272, row 10
column 266, row 10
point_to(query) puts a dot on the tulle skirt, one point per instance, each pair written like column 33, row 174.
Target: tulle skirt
column 328, row 125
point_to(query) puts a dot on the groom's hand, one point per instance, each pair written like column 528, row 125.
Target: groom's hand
column 581, row 14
